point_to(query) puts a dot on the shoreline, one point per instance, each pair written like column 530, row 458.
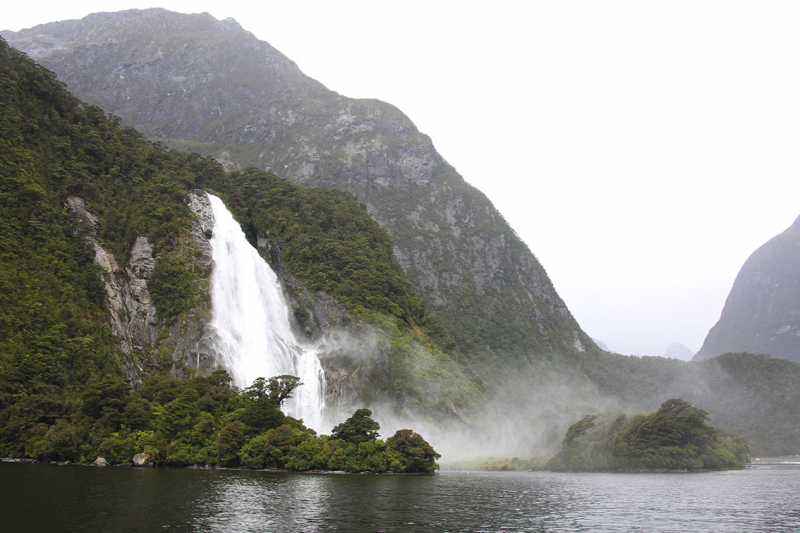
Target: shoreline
column 94, row 464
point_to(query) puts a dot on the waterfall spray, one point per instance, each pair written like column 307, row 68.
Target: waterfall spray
column 250, row 321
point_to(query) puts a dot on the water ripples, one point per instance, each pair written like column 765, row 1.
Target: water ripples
column 86, row 499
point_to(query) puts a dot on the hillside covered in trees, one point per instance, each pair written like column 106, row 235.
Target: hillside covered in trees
column 205, row 421
column 237, row 99
column 54, row 318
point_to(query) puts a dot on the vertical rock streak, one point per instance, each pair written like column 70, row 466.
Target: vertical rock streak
column 250, row 320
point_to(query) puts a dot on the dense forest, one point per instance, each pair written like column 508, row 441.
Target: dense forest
column 55, row 343
column 201, row 421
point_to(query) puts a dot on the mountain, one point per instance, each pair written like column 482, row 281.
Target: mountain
column 109, row 273
column 104, row 283
column 105, row 265
column 676, row 350
column 211, row 87
column 762, row 311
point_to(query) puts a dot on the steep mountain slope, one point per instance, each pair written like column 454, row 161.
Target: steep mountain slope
column 762, row 311
column 61, row 284
column 105, row 262
column 104, row 284
column 211, row 87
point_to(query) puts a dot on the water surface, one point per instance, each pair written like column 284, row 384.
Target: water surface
column 72, row 498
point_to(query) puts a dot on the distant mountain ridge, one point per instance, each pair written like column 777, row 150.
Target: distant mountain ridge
column 209, row 86
column 676, row 350
column 762, row 311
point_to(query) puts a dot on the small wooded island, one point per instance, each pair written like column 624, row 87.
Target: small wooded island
column 677, row 437
column 200, row 421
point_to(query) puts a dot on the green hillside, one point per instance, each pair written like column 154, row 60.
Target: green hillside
column 210, row 86
column 54, row 318
column 755, row 395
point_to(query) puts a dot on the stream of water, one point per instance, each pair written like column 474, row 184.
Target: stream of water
column 250, row 321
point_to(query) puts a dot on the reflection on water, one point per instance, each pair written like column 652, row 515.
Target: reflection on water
column 255, row 501
column 49, row 498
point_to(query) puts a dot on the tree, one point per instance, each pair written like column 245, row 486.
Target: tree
column 579, row 428
column 358, row 428
column 277, row 389
column 273, row 448
column 409, row 452
column 676, row 437
column 676, row 424
column 262, row 414
column 178, row 415
column 573, row 450
column 109, row 392
column 229, row 442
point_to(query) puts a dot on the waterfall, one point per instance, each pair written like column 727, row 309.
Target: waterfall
column 250, row 321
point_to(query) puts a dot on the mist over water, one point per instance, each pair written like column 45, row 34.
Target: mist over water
column 250, row 321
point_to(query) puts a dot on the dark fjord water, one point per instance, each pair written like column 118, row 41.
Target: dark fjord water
column 51, row 498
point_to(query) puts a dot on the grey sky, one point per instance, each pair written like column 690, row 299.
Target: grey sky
column 641, row 149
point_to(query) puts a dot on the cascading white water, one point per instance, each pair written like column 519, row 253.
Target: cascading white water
column 250, row 321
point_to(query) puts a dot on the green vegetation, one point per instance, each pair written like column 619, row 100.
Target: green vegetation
column 201, row 421
column 758, row 397
column 676, row 437
column 54, row 329
column 54, row 333
column 51, row 294
column 173, row 288
column 755, row 395
column 498, row 464
column 354, row 446
column 329, row 241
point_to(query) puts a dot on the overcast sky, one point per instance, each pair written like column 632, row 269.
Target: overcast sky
column 643, row 150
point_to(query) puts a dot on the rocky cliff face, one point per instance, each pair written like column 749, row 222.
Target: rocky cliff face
column 355, row 362
column 134, row 321
column 762, row 312
column 209, row 86
column 352, row 363
column 132, row 314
